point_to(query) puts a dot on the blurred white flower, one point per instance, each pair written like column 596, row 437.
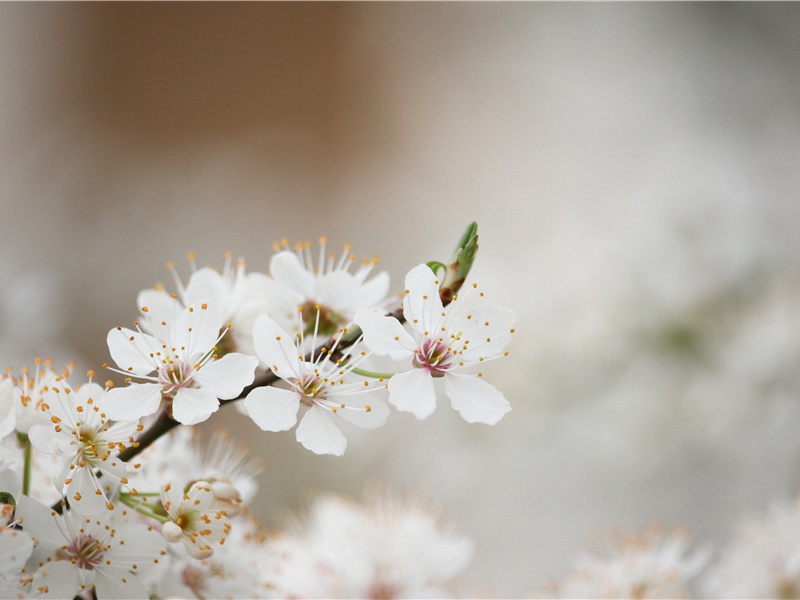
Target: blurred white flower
column 655, row 564
column 15, row 548
column 188, row 372
column 447, row 342
column 762, row 560
column 378, row 548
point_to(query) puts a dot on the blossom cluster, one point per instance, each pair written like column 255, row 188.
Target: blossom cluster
column 106, row 493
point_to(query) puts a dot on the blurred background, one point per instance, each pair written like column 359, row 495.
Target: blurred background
column 633, row 169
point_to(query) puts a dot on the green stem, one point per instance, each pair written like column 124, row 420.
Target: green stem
column 28, row 465
column 139, row 506
column 373, row 374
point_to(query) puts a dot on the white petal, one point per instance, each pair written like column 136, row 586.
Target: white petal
column 197, row 329
column 336, row 290
column 40, row 522
column 474, row 399
column 115, row 583
column 413, row 392
column 275, row 348
column 131, row 350
column 192, row 405
column 162, row 311
column 273, row 409
column 374, row 291
column 43, row 438
column 15, row 548
column 357, row 414
column 200, row 496
column 384, row 335
column 484, row 340
column 208, row 284
column 422, row 305
column 82, row 493
column 58, row 579
column 285, row 268
column 318, row 433
column 227, row 376
column 133, row 402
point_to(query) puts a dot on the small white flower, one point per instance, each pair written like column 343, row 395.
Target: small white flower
column 29, row 391
column 327, row 293
column 74, row 552
column 193, row 520
column 187, row 370
column 654, row 564
column 80, row 433
column 325, row 386
column 445, row 343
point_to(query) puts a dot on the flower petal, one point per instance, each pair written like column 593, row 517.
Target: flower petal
column 413, row 392
column 474, row 399
column 422, row 305
column 384, row 335
column 275, row 348
column 196, row 329
column 208, row 284
column 272, row 409
column 82, row 493
column 114, row 582
column 356, row 413
column 192, row 405
column 133, row 402
column 15, row 548
column 58, row 579
column 131, row 350
column 374, row 291
column 336, row 290
column 162, row 311
column 285, row 268
column 227, row 376
column 318, row 433
column 487, row 329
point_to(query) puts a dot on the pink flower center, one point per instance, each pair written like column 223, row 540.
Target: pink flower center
column 434, row 355
column 84, row 551
column 174, row 376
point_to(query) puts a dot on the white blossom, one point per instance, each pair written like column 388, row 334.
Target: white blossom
column 74, row 552
column 188, row 373
column 445, row 342
column 325, row 290
column 325, row 386
column 88, row 444
column 16, row 547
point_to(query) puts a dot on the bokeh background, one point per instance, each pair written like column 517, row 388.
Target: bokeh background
column 633, row 169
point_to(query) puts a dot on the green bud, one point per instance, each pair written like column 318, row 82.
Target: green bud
column 7, row 498
column 460, row 263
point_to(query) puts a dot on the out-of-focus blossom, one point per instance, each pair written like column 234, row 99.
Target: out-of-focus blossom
column 378, row 548
column 193, row 520
column 655, row 564
column 762, row 560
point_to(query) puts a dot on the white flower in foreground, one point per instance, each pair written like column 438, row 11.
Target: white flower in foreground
column 327, row 293
column 74, row 553
column 187, row 371
column 193, row 520
column 446, row 342
column 656, row 564
column 80, row 433
column 763, row 560
column 379, row 548
column 325, row 386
